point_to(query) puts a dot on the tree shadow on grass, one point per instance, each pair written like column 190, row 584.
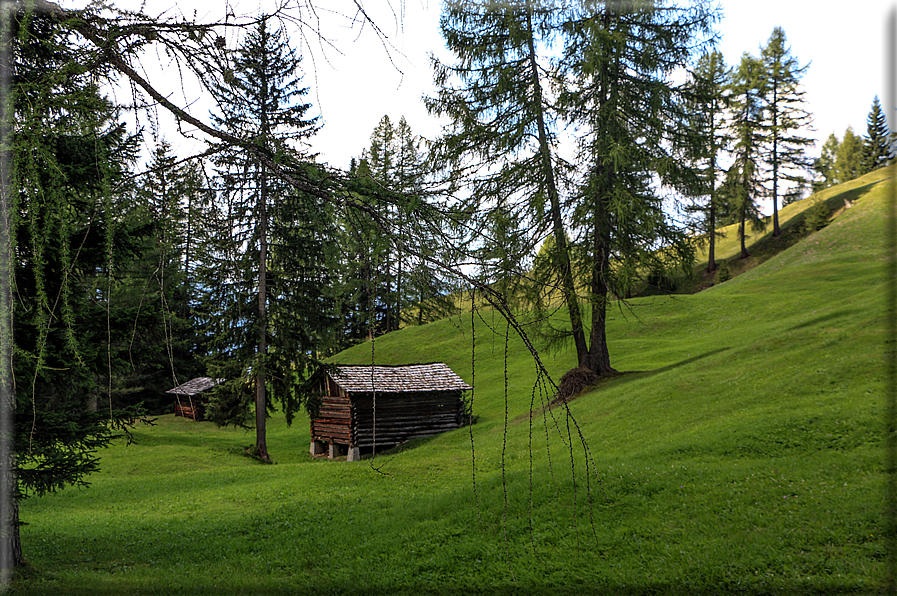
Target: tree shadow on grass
column 823, row 319
column 670, row 367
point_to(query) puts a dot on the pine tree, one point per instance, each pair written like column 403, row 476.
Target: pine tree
column 744, row 178
column 877, row 148
column 267, row 284
column 785, row 117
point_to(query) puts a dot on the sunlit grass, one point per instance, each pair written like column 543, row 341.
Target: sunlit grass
column 741, row 452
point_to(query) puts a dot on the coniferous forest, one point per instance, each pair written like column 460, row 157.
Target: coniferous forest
column 129, row 269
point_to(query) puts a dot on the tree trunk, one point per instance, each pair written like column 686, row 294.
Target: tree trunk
column 711, row 251
column 560, row 237
column 598, row 359
column 741, row 230
column 776, row 232
column 10, row 541
column 261, row 410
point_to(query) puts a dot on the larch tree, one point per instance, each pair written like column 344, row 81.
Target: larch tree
column 76, row 234
column 502, row 138
column 744, row 179
column 620, row 58
column 785, row 118
column 707, row 121
column 609, row 78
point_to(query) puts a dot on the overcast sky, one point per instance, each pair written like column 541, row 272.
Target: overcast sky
column 844, row 49
column 352, row 88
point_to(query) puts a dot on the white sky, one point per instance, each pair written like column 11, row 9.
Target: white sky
column 354, row 89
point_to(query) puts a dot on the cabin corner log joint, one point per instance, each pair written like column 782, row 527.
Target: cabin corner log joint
column 368, row 407
column 190, row 403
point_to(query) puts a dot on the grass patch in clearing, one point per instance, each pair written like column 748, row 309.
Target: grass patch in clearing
column 741, row 453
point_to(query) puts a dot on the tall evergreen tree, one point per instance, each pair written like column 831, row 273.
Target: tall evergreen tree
column 268, row 287
column 707, row 121
column 877, row 150
column 610, row 78
column 744, row 178
column 498, row 98
column 785, row 117
column 823, row 164
column 76, row 235
column 849, row 160
column 385, row 282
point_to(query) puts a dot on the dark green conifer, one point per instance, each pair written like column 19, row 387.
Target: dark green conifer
column 267, row 285
column 877, row 150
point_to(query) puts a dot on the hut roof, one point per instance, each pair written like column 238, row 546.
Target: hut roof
column 435, row 376
column 195, row 386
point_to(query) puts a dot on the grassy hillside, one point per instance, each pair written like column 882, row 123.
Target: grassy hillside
column 741, row 452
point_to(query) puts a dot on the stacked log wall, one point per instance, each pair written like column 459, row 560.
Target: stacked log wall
column 404, row 416
column 333, row 423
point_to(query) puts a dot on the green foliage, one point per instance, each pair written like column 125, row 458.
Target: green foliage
column 723, row 273
column 785, row 117
column 508, row 97
column 706, row 120
column 877, row 144
column 816, row 217
column 744, row 178
column 849, row 158
column 824, row 164
column 86, row 344
column 266, row 278
column 385, row 280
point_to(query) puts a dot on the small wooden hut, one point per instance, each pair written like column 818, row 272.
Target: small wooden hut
column 190, row 403
column 381, row 406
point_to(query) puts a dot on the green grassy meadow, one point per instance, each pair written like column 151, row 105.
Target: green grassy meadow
column 740, row 453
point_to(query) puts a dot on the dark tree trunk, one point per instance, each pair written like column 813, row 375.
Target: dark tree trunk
column 560, row 237
column 711, row 215
column 776, row 232
column 261, row 410
column 10, row 541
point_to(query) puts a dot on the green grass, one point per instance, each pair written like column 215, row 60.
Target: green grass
column 741, row 452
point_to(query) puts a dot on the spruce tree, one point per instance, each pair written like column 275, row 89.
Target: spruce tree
column 267, row 284
column 785, row 118
column 877, row 150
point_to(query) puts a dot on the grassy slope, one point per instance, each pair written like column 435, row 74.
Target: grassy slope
column 740, row 453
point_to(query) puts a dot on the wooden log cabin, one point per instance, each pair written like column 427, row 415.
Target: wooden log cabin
column 369, row 407
column 190, row 402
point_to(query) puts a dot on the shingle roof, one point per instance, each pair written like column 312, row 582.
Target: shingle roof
column 399, row 379
column 197, row 385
